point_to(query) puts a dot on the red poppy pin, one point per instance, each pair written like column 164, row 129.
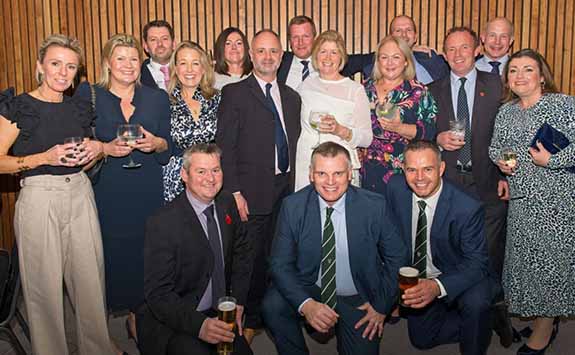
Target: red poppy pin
column 481, row 93
column 228, row 219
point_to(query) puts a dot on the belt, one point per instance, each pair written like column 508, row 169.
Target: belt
column 464, row 169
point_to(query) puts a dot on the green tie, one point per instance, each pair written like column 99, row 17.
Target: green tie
column 328, row 288
column 420, row 251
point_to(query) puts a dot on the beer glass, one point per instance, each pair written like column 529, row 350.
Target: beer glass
column 457, row 129
column 408, row 277
column 227, row 313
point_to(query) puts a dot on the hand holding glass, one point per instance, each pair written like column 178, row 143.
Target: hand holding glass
column 385, row 110
column 227, row 313
column 78, row 148
column 129, row 134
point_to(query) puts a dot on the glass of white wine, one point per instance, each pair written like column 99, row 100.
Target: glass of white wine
column 129, row 133
column 314, row 121
column 509, row 156
column 385, row 110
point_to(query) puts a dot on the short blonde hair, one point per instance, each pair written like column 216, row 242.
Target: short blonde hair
column 329, row 36
column 408, row 71
column 208, row 79
column 59, row 40
column 119, row 40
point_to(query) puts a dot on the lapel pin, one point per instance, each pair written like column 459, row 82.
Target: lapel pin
column 228, row 219
column 481, row 93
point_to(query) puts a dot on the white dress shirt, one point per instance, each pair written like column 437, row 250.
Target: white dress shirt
column 431, row 204
column 157, row 74
column 469, row 91
column 483, row 63
column 293, row 79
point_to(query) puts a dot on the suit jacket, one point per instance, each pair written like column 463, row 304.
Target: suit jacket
column 178, row 264
column 435, row 64
column 376, row 250
column 457, row 239
column 285, row 64
column 485, row 105
column 246, row 135
column 146, row 77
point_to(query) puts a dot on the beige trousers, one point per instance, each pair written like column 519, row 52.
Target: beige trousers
column 59, row 243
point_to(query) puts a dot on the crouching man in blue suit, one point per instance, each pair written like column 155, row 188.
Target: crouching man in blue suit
column 443, row 228
column 334, row 262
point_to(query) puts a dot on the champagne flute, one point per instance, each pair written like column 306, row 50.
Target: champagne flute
column 314, row 121
column 129, row 133
column 509, row 156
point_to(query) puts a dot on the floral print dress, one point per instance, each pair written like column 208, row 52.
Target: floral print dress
column 383, row 158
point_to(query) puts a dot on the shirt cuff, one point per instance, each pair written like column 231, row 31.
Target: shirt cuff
column 301, row 305
column 442, row 291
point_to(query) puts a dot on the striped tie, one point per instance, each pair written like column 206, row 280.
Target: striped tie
column 328, row 288
column 305, row 70
column 463, row 115
column 420, row 251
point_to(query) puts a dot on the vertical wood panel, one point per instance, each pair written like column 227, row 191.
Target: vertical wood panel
column 546, row 25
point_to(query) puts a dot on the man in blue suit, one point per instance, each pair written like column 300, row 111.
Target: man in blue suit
column 335, row 261
column 444, row 229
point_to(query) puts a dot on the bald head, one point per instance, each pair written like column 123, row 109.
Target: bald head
column 497, row 37
column 266, row 54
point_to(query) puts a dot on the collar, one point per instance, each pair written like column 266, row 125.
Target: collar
column 155, row 65
column 501, row 60
column 262, row 83
column 471, row 76
column 198, row 205
column 338, row 206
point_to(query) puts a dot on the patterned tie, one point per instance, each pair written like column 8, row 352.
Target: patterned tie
column 305, row 70
column 463, row 115
column 281, row 141
column 495, row 67
column 328, row 288
column 166, row 71
column 218, row 276
column 420, row 251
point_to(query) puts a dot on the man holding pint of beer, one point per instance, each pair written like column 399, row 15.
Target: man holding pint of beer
column 443, row 226
column 196, row 267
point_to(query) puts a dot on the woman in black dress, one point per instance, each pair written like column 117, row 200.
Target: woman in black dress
column 56, row 222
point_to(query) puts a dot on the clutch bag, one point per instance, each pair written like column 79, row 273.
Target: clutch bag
column 552, row 139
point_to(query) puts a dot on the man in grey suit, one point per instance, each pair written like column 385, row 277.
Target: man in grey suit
column 472, row 98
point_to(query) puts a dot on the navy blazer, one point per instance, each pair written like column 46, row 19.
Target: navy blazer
column 435, row 64
column 376, row 250
column 457, row 240
column 146, row 77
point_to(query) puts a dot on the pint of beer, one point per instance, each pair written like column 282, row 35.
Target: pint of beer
column 227, row 313
column 408, row 277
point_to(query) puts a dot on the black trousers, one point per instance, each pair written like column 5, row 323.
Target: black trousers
column 260, row 231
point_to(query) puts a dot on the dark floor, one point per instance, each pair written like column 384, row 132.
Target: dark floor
column 395, row 342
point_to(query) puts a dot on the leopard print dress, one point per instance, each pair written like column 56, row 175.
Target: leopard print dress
column 539, row 271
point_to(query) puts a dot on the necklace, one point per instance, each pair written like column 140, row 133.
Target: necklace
column 47, row 99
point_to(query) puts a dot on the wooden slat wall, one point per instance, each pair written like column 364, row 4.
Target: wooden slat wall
column 546, row 25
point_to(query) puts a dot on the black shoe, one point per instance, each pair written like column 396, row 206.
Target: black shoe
column 502, row 325
column 526, row 350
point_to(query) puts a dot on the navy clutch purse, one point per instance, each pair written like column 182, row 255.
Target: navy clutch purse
column 552, row 140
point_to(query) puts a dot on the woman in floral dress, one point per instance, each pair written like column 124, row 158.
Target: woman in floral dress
column 393, row 81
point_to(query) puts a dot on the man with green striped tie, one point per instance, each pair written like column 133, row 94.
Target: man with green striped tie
column 334, row 262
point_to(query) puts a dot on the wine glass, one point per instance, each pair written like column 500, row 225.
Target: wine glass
column 77, row 141
column 385, row 110
column 129, row 133
column 314, row 121
column 509, row 156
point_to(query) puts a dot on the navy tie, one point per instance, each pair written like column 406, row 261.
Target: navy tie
column 495, row 67
column 281, row 141
column 218, row 276
column 463, row 115
column 305, row 70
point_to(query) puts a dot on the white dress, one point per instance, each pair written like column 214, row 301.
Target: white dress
column 346, row 100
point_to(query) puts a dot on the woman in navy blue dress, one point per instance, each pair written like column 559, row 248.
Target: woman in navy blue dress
column 126, row 197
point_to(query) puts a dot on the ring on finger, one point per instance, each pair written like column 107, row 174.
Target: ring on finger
column 63, row 160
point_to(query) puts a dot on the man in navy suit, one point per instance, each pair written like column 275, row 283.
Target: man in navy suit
column 444, row 229
column 331, row 222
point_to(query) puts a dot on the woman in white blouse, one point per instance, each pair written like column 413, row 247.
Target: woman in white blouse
column 340, row 102
column 232, row 62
